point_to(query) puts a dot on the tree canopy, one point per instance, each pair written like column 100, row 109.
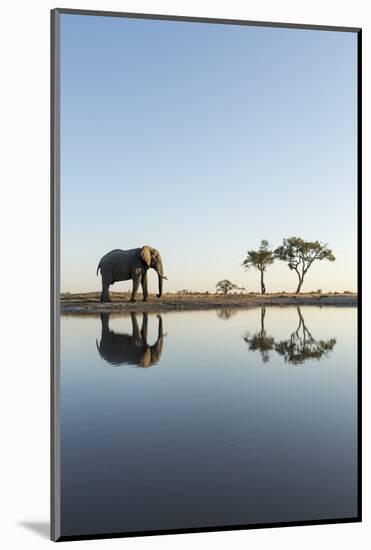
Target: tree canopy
column 300, row 255
column 260, row 259
column 225, row 286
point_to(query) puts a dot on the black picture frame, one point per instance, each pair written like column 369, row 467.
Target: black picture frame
column 55, row 270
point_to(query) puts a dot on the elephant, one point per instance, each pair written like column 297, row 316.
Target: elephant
column 122, row 265
column 130, row 349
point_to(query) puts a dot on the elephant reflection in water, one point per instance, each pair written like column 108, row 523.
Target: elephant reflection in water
column 130, row 349
column 297, row 349
column 261, row 341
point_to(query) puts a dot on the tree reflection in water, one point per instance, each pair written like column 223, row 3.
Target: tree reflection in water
column 300, row 347
column 260, row 341
column 226, row 313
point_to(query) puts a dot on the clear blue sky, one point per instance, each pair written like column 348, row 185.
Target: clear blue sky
column 201, row 140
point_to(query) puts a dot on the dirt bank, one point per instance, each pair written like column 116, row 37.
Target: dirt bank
column 89, row 302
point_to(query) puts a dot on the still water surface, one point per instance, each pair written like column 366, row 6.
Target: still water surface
column 208, row 418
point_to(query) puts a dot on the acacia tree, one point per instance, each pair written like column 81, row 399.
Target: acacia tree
column 225, row 286
column 299, row 255
column 260, row 260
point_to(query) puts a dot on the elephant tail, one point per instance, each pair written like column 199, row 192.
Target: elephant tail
column 98, row 268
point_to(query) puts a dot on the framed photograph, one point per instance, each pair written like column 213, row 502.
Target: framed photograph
column 206, row 181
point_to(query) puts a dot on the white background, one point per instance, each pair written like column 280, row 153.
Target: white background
column 24, row 272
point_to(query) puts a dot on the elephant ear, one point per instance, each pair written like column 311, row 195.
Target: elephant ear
column 146, row 255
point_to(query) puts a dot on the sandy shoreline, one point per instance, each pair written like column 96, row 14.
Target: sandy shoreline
column 89, row 302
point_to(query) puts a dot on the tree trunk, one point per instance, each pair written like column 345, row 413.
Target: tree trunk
column 301, row 279
column 262, row 285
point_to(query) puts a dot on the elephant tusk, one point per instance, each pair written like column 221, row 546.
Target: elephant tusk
column 162, row 276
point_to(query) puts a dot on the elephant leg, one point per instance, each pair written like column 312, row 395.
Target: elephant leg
column 136, row 282
column 105, row 297
column 144, row 283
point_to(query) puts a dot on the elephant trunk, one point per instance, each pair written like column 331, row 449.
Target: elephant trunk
column 161, row 276
column 159, row 286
